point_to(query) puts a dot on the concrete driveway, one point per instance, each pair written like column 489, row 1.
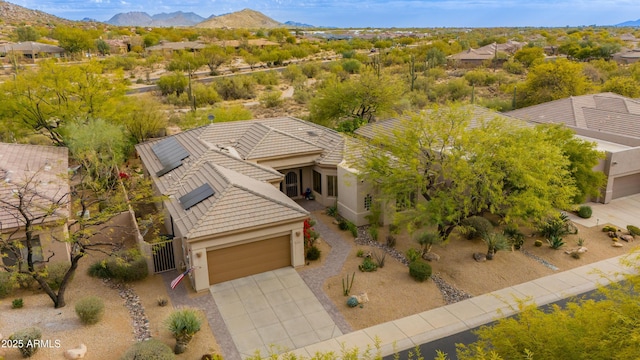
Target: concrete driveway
column 619, row 212
column 273, row 311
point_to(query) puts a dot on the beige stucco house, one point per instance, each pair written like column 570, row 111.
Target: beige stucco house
column 611, row 121
column 230, row 191
column 38, row 173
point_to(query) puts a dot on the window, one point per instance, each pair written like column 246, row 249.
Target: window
column 317, row 182
column 405, row 201
column 21, row 246
column 332, row 184
column 367, row 202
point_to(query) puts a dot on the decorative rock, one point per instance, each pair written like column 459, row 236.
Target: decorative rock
column 77, row 353
column 627, row 238
column 612, row 234
column 429, row 256
column 362, row 298
column 580, row 250
column 479, row 257
column 616, row 244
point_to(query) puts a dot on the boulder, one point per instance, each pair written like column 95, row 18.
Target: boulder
column 76, row 353
column 627, row 238
column 616, row 244
column 480, row 257
column 429, row 256
column 362, row 298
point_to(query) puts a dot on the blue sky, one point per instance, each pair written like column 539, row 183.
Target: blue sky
column 376, row 13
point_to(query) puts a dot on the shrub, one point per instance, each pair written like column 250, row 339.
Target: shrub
column 391, row 241
column 373, row 232
column 55, row 274
column 360, row 253
column 380, row 257
column 7, row 284
column 633, row 230
column 343, row 225
column 554, row 226
column 126, row 266
column 367, row 265
column 476, row 227
column 313, row 253
column 90, row 310
column 412, row 255
column 149, row 349
column 585, row 211
column 555, row 242
column 538, row 243
column 332, row 211
column 608, row 228
column 514, row 236
column 271, row 99
column 162, row 301
column 352, row 302
column 17, row 303
column 26, row 340
column 353, row 229
column 183, row 324
column 420, row 270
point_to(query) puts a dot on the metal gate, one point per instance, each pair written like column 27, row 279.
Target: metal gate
column 291, row 183
column 163, row 258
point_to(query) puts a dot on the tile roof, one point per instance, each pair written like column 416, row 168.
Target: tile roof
column 20, row 162
column 30, row 47
column 239, row 202
column 605, row 112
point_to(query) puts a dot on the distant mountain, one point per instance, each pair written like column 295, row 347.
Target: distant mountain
column 15, row 14
column 297, row 24
column 247, row 19
column 136, row 18
column 630, row 23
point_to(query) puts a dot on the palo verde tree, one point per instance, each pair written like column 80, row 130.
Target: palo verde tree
column 45, row 99
column 463, row 161
column 584, row 329
column 354, row 102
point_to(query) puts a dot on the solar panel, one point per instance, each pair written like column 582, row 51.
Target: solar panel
column 196, row 196
column 168, row 168
column 169, row 151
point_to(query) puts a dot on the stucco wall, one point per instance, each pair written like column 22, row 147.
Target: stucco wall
column 351, row 194
column 619, row 164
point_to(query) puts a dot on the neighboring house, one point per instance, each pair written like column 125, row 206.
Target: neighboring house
column 627, row 56
column 480, row 56
column 230, row 190
column 31, row 50
column 610, row 120
column 169, row 47
column 44, row 168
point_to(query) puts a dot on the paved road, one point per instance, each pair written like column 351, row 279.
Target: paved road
column 448, row 344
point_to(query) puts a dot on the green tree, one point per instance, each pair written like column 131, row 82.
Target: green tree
column 73, row 40
column 529, row 56
column 26, row 33
column 583, row 329
column 183, row 325
column 552, row 81
column 175, row 83
column 458, row 170
column 102, row 47
column 45, row 99
column 358, row 100
column 214, row 57
column 622, row 85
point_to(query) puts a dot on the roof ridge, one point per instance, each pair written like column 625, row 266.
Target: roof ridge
column 269, row 129
column 256, row 165
column 298, row 209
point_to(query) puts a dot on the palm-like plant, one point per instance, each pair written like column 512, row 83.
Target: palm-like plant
column 183, row 324
column 495, row 242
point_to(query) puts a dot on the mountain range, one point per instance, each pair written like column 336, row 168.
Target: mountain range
column 635, row 23
column 136, row 18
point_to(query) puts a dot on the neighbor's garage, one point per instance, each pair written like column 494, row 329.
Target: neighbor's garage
column 248, row 259
column 626, row 185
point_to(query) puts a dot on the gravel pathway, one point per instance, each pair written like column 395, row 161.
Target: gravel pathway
column 132, row 302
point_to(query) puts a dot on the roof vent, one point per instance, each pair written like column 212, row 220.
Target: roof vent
column 312, row 133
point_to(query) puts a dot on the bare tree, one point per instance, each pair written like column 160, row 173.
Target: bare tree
column 32, row 209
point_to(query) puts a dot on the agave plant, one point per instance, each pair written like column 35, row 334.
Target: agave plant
column 555, row 242
column 183, row 325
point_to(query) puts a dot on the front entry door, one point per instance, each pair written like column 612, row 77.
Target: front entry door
column 291, row 184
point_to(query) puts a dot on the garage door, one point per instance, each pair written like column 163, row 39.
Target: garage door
column 626, row 185
column 248, row 259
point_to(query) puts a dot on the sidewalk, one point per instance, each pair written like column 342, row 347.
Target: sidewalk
column 406, row 333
